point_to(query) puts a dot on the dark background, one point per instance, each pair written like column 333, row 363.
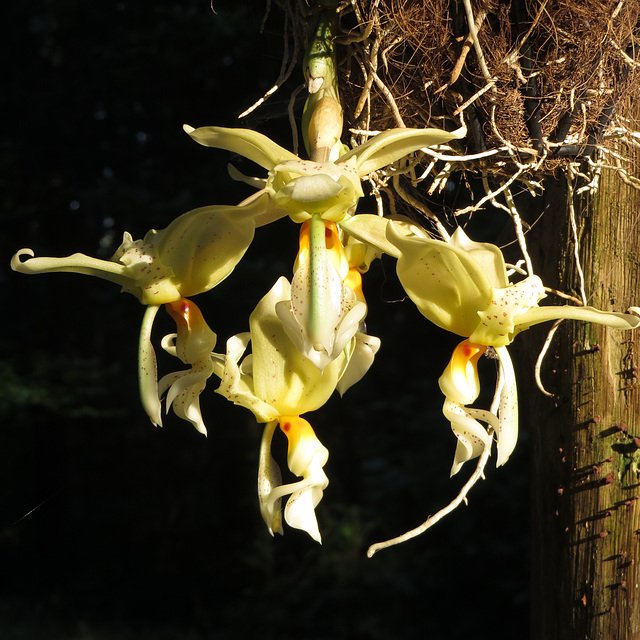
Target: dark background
column 111, row 528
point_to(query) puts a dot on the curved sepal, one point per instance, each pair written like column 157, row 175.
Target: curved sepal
column 248, row 143
column 389, row 146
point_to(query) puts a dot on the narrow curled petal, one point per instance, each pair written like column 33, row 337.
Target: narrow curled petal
column 148, row 369
column 76, row 263
column 588, row 314
column 363, row 351
column 238, row 176
column 507, row 432
column 238, row 386
column 245, row 142
column 472, row 436
column 194, row 343
column 391, row 145
column 269, row 477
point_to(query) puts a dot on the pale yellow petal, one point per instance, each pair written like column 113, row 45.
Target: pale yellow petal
column 245, row 142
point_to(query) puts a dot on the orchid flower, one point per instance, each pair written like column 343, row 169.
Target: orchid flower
column 299, row 188
column 278, row 384
column 193, row 254
column 462, row 286
column 323, row 314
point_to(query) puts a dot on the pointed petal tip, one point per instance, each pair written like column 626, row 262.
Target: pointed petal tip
column 504, row 458
column 187, row 128
column 201, row 429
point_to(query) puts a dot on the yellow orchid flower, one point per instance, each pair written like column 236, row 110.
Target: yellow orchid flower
column 193, row 254
column 300, row 188
column 462, row 286
column 278, row 384
column 323, row 313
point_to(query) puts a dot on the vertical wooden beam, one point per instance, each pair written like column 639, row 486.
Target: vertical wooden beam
column 586, row 440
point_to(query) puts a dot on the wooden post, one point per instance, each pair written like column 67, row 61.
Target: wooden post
column 586, row 439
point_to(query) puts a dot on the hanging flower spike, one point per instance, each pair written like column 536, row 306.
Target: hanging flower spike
column 193, row 344
column 193, row 254
column 462, row 286
column 301, row 188
column 278, row 384
column 306, row 457
column 324, row 313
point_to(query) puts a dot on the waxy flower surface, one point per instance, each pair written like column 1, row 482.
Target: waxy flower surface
column 278, row 384
column 192, row 255
column 462, row 286
column 299, row 188
column 193, row 344
column 323, row 313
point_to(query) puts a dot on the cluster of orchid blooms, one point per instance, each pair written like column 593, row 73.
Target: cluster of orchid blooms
column 307, row 336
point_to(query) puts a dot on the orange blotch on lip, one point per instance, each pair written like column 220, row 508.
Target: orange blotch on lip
column 465, row 352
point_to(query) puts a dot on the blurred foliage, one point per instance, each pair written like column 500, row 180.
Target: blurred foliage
column 113, row 529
